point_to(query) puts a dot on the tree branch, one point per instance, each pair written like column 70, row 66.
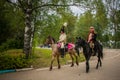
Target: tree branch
column 9, row 1
column 55, row 5
column 20, row 6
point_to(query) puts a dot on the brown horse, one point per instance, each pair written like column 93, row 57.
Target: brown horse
column 56, row 53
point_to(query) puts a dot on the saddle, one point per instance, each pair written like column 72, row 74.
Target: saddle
column 93, row 48
column 67, row 47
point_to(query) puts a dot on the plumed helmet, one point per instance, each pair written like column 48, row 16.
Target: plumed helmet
column 62, row 29
column 65, row 24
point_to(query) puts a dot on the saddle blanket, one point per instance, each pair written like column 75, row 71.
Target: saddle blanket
column 69, row 46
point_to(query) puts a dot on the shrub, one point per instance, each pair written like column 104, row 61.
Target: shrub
column 11, row 44
column 13, row 61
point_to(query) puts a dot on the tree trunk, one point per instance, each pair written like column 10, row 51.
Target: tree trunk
column 28, row 32
column 32, row 36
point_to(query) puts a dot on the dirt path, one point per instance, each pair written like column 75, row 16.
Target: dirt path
column 109, row 71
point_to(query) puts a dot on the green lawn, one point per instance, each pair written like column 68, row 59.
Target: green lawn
column 39, row 58
column 44, row 58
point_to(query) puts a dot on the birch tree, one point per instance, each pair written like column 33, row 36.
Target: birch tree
column 29, row 8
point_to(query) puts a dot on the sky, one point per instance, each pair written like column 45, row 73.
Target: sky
column 76, row 10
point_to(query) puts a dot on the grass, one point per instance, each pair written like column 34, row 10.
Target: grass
column 44, row 58
column 40, row 58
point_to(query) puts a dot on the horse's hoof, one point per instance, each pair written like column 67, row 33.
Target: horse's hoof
column 72, row 65
column 59, row 67
column 87, row 71
column 50, row 69
column 96, row 67
column 77, row 63
column 100, row 65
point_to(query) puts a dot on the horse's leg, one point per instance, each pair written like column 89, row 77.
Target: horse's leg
column 53, row 58
column 101, row 55
column 99, row 61
column 76, row 58
column 58, row 61
column 72, row 59
column 65, row 59
column 87, row 66
column 87, row 63
column 77, row 51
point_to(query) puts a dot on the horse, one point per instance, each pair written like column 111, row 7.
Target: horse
column 56, row 52
column 87, row 51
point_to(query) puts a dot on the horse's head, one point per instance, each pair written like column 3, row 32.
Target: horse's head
column 79, row 42
column 50, row 40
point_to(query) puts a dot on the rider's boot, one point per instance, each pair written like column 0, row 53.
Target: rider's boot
column 62, row 52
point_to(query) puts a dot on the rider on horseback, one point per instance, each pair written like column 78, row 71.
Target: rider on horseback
column 62, row 40
column 92, row 39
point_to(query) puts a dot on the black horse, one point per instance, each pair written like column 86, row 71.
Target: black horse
column 87, row 51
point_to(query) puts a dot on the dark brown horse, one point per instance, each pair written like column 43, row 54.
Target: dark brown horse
column 88, row 52
column 56, row 53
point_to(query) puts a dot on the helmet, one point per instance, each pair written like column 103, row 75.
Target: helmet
column 65, row 24
column 62, row 29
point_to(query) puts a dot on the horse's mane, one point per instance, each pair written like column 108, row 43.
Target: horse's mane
column 84, row 42
column 53, row 39
column 79, row 38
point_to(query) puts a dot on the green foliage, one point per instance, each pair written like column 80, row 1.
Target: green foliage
column 11, row 44
column 44, row 28
column 71, row 21
column 11, row 27
column 92, row 17
column 113, row 13
column 83, row 24
column 49, row 19
column 13, row 59
column 101, row 19
column 45, row 56
column 118, row 44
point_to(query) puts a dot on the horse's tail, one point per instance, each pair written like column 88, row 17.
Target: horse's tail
column 77, row 51
column 100, row 50
column 101, row 47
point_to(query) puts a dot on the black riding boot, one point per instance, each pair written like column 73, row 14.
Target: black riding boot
column 62, row 52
